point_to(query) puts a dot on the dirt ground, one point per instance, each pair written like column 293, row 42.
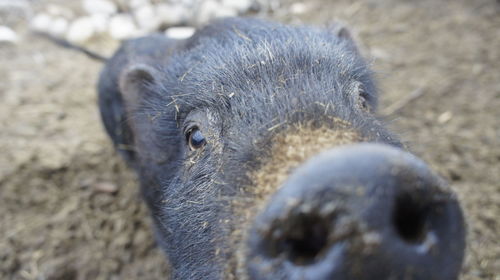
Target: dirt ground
column 438, row 63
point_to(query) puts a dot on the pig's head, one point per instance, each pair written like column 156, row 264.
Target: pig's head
column 260, row 157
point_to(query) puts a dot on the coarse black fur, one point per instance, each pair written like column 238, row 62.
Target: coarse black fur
column 240, row 81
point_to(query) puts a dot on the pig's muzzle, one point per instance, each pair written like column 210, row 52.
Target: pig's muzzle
column 365, row 211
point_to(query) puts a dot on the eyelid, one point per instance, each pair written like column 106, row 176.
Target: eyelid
column 188, row 126
column 189, row 131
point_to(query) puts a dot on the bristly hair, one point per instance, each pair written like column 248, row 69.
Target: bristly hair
column 258, row 77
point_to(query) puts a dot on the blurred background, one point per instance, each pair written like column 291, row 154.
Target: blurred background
column 70, row 209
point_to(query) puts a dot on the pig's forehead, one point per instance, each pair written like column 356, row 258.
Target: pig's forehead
column 268, row 64
column 268, row 72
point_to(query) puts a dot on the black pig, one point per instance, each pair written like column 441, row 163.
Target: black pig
column 260, row 157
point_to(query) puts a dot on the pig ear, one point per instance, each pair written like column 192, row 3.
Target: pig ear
column 134, row 82
column 341, row 31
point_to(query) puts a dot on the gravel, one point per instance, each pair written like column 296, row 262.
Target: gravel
column 99, row 7
column 130, row 18
column 80, row 30
column 122, row 26
column 7, row 35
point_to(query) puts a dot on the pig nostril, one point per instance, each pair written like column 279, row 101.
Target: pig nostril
column 307, row 240
column 302, row 239
column 410, row 218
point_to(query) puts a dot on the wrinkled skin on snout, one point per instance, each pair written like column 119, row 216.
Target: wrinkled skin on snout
column 260, row 157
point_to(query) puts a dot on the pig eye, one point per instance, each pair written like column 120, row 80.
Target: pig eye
column 195, row 138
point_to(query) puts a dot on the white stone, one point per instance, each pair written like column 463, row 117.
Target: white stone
column 18, row 4
column 99, row 7
column 122, row 27
column 17, row 8
column 41, row 22
column 298, row 8
column 134, row 4
column 58, row 27
column 80, row 30
column 180, row 32
column 241, row 6
column 206, row 11
column 100, row 22
column 7, row 35
column 57, row 11
column 170, row 14
column 211, row 9
column 147, row 18
column 226, row 12
column 189, row 3
column 445, row 117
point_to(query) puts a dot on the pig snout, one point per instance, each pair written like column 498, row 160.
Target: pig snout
column 365, row 211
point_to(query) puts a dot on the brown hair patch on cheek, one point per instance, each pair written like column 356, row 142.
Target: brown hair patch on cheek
column 289, row 149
